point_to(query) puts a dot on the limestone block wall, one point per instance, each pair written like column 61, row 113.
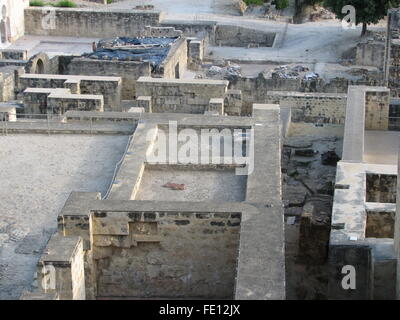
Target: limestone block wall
column 8, row 112
column 10, row 54
column 199, row 29
column 7, row 84
column 109, row 87
column 370, row 54
column 9, row 77
column 216, row 105
column 145, row 103
column 233, row 102
column 220, row 34
column 181, row 96
column 58, row 103
column 78, row 273
column 35, row 99
column 393, row 77
column 175, row 63
column 312, row 107
column 196, row 52
column 14, row 10
column 90, row 22
column 377, row 109
column 129, row 71
column 381, row 188
column 236, row 36
column 165, row 254
column 41, row 81
column 61, row 270
column 151, row 31
column 256, row 89
column 392, row 52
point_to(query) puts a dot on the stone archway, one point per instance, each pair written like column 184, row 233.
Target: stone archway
column 39, row 66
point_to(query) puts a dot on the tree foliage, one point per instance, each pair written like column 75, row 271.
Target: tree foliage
column 281, row 4
column 367, row 11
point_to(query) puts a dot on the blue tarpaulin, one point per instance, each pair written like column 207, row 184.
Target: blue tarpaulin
column 134, row 50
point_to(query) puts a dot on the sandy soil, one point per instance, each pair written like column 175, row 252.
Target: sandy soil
column 37, row 174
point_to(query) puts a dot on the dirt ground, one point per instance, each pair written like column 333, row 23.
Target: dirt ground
column 37, row 174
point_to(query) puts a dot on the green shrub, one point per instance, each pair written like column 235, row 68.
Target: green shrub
column 254, row 2
column 37, row 3
column 109, row 1
column 65, row 3
column 281, row 4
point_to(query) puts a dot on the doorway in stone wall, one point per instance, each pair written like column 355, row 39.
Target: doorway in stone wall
column 177, row 71
column 39, row 67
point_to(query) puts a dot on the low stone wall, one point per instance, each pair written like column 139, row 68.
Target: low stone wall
column 10, row 54
column 312, row 107
column 108, row 87
column 199, row 29
column 236, row 36
column 129, row 71
column 225, row 35
column 58, row 103
column 180, row 96
column 255, row 89
column 61, row 270
column 370, row 54
column 88, row 22
column 195, row 52
column 35, row 99
column 9, row 76
column 141, row 254
column 377, row 109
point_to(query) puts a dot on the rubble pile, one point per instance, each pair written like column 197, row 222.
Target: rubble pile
column 321, row 13
column 224, row 73
column 296, row 72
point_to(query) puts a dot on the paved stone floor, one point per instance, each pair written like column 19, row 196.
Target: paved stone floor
column 381, row 147
column 53, row 45
column 200, row 185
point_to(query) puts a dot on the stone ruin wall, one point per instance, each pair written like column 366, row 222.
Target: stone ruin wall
column 258, row 89
column 312, row 107
column 156, row 254
column 165, row 254
column 177, row 59
column 377, row 110
column 109, row 88
column 128, row 71
column 181, row 97
column 95, row 23
column 236, row 36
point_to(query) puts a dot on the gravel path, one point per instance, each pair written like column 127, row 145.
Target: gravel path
column 37, row 174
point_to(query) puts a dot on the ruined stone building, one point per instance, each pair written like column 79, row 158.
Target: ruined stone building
column 207, row 172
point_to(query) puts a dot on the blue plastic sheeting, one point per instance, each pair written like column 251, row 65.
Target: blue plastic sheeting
column 155, row 55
